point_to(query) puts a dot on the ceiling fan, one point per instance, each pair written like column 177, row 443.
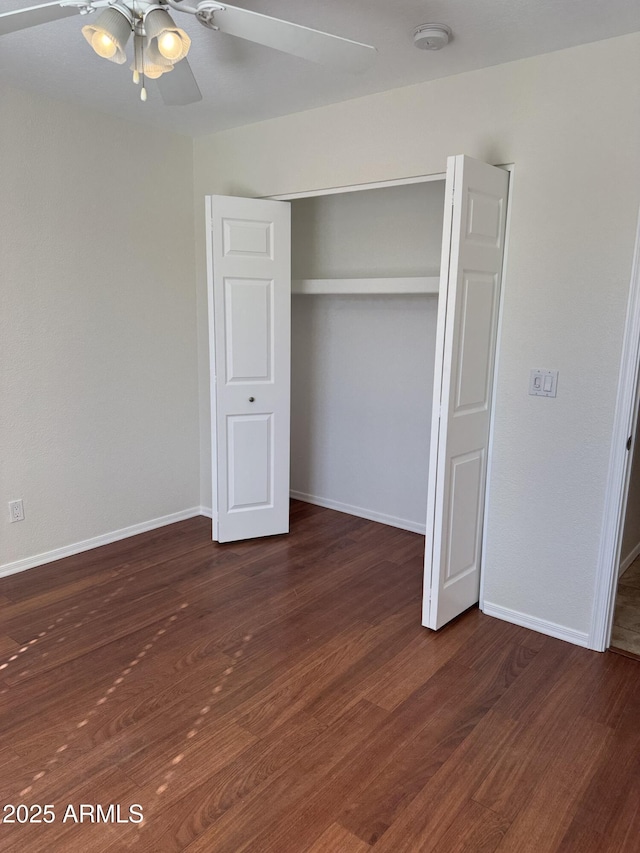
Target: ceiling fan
column 159, row 46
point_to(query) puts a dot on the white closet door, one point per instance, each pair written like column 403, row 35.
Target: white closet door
column 249, row 252
column 472, row 251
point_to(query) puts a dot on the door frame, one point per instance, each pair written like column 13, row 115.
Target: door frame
column 354, row 188
column 617, row 487
column 417, row 179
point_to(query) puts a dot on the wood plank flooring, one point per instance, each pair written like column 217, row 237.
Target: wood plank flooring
column 280, row 696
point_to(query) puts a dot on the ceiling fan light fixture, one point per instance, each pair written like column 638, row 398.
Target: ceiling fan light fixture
column 145, row 61
column 109, row 34
column 171, row 42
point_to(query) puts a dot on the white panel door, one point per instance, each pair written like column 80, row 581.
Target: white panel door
column 472, row 252
column 249, row 255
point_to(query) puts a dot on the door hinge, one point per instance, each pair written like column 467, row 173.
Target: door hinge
column 629, row 442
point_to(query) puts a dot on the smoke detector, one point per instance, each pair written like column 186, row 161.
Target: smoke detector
column 431, row 36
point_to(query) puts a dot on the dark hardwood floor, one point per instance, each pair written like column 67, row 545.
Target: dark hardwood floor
column 280, row 696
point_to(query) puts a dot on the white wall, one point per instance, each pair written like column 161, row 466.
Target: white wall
column 99, row 409
column 570, row 122
column 362, row 367
column 361, row 394
column 393, row 231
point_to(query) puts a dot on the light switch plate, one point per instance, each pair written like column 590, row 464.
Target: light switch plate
column 543, row 383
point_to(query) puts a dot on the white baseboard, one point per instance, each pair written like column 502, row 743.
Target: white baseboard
column 624, row 565
column 360, row 512
column 551, row 629
column 97, row 541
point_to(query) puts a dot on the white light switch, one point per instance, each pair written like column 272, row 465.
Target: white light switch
column 543, row 383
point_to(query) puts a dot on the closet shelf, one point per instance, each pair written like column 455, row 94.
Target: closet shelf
column 355, row 286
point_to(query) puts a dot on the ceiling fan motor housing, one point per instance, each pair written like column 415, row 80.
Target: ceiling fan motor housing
column 432, row 36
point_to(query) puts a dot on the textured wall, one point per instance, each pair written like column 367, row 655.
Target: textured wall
column 99, row 410
column 570, row 122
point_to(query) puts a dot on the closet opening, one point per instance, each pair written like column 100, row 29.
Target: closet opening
column 365, row 270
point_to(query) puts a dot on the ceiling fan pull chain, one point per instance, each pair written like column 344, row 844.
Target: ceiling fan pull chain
column 143, row 91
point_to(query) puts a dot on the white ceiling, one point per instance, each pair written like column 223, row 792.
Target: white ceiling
column 243, row 82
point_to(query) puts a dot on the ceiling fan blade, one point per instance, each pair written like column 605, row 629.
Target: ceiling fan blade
column 21, row 19
column 179, row 87
column 292, row 38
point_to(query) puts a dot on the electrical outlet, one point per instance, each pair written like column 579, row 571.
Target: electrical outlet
column 16, row 511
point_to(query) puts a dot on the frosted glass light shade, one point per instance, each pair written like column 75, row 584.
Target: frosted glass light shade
column 103, row 45
column 147, row 60
column 151, row 71
column 153, row 55
column 161, row 31
column 109, row 34
column 155, row 71
column 170, row 45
